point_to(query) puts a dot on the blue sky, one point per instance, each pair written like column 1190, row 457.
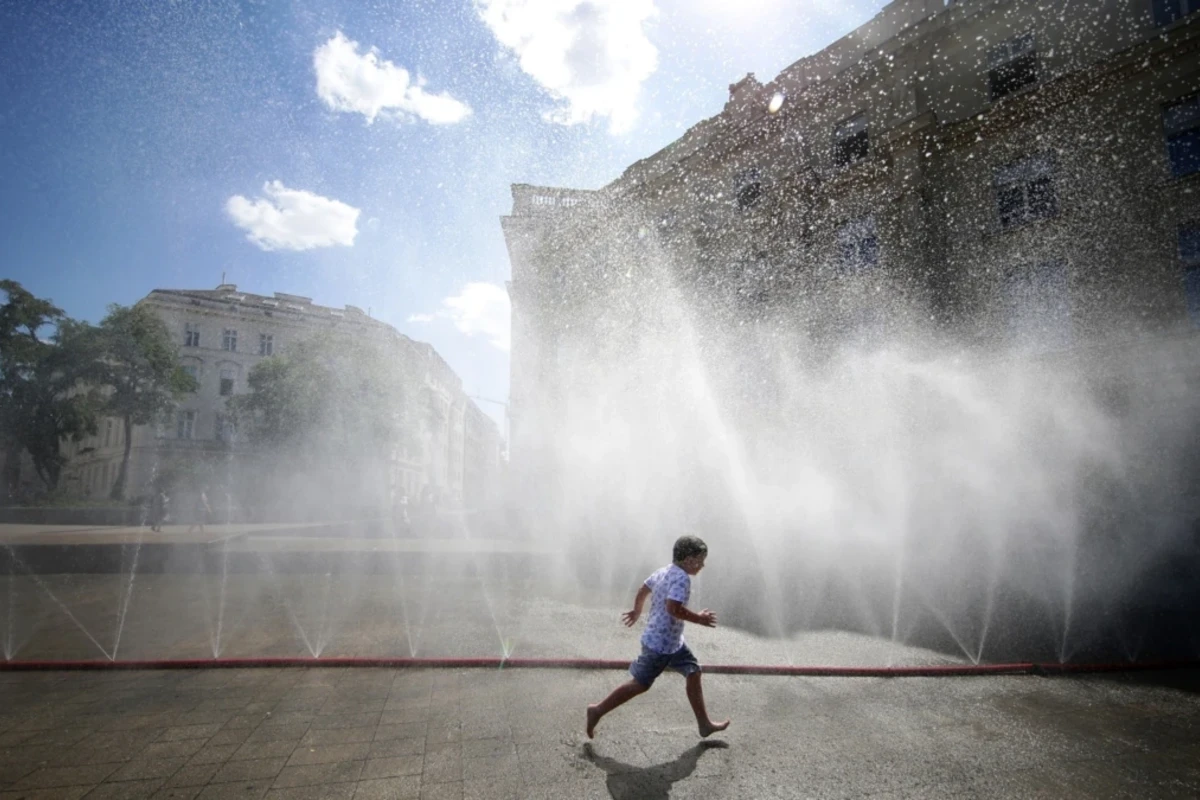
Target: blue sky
column 128, row 127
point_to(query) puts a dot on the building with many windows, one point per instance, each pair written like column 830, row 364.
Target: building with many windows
column 1010, row 169
column 223, row 334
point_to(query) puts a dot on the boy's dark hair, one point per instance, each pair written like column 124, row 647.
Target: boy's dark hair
column 687, row 546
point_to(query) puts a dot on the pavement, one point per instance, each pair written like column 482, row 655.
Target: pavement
column 319, row 732
column 437, row 734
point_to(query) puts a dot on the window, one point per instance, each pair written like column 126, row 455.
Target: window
column 228, row 374
column 1181, row 126
column 108, row 431
column 223, row 428
column 229, row 340
column 1189, row 258
column 858, row 245
column 191, row 335
column 850, row 142
column 266, row 344
column 185, row 424
column 1012, row 66
column 1038, row 305
column 1025, row 191
column 1168, row 11
column 748, row 189
column 193, row 372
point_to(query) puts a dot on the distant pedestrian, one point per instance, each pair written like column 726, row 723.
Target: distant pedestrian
column 203, row 511
column 662, row 642
column 160, row 505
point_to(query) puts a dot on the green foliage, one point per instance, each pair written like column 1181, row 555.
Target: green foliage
column 137, row 361
column 55, row 389
column 330, row 400
column 41, row 403
column 133, row 358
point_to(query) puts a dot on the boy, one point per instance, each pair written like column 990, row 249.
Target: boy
column 662, row 641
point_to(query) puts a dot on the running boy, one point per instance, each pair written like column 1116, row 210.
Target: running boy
column 662, row 641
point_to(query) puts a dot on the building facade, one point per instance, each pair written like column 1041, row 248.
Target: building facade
column 1008, row 170
column 222, row 334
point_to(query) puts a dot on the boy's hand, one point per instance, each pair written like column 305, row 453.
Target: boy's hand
column 707, row 618
column 630, row 617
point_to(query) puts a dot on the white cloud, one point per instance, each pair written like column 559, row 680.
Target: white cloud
column 481, row 308
column 372, row 86
column 591, row 55
column 293, row 219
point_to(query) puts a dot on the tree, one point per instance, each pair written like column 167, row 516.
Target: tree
column 135, row 362
column 331, row 404
column 41, row 403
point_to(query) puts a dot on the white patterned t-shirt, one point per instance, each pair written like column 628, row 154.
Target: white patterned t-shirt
column 664, row 633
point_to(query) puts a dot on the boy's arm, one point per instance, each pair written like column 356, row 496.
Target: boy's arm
column 679, row 611
column 630, row 617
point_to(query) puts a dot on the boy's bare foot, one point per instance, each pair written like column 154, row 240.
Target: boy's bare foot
column 711, row 728
column 592, row 718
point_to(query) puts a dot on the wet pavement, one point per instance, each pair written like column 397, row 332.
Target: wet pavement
column 379, row 733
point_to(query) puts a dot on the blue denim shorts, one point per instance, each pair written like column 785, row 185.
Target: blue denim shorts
column 650, row 664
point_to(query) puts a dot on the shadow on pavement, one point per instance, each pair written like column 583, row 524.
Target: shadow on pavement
column 627, row 782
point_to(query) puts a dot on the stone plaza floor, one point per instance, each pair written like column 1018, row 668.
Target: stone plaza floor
column 418, row 733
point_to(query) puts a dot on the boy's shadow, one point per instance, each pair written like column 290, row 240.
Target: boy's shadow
column 627, row 782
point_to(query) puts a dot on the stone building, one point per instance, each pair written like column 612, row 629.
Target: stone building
column 222, row 334
column 1009, row 170
column 482, row 463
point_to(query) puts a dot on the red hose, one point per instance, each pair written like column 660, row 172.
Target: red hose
column 932, row 670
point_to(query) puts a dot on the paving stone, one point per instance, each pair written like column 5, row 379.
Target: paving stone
column 244, row 721
column 393, row 767
column 180, row 732
column 57, row 793
column 442, row 791
column 149, row 768
column 277, row 718
column 231, row 736
column 50, row 777
column 333, row 772
column 335, row 721
column 242, row 790
column 331, row 791
column 491, row 767
column 237, row 771
column 177, row 793
column 397, row 747
column 493, row 788
column 319, row 736
column 213, row 754
column 126, row 790
column 183, row 748
column 252, row 750
column 490, row 748
column 442, row 765
column 13, row 772
column 292, row 732
column 403, row 788
column 328, row 753
column 407, row 730
column 193, row 775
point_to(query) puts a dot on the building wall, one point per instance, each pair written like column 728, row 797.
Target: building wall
column 938, row 143
column 438, row 461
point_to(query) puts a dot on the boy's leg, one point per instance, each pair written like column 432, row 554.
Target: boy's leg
column 619, row 696
column 695, row 694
